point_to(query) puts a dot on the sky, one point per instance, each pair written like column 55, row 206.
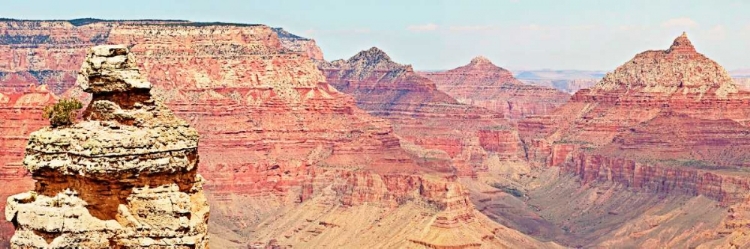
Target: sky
column 436, row 34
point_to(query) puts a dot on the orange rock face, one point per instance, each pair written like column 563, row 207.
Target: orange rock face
column 481, row 83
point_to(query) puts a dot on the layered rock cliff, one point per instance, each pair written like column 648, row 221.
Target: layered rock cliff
column 126, row 177
column 481, row 83
column 441, row 132
column 674, row 111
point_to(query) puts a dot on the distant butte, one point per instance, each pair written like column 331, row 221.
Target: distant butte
column 482, row 83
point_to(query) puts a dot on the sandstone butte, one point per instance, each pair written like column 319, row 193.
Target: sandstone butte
column 288, row 159
column 666, row 122
column 124, row 178
column 443, row 133
column 482, row 83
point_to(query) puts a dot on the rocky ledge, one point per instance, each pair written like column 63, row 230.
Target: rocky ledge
column 124, row 178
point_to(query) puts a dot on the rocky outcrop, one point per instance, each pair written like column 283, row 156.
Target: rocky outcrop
column 481, row 83
column 125, row 177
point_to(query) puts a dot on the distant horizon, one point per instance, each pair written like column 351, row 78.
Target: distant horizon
column 585, row 35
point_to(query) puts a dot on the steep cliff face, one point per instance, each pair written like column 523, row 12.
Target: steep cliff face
column 481, row 83
column 441, row 132
column 126, row 177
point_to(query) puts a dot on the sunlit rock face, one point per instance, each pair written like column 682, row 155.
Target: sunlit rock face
column 124, row 177
column 482, row 83
column 667, row 121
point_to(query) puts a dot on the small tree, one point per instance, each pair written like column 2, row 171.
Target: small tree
column 63, row 112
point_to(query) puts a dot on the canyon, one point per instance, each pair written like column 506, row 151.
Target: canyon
column 275, row 138
column 365, row 152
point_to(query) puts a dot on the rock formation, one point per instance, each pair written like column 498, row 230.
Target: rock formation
column 668, row 122
column 441, row 132
column 481, row 83
column 126, row 177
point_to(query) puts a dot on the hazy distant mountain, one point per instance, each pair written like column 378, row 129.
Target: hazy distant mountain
column 568, row 81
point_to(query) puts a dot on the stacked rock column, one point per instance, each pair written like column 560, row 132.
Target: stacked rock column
column 125, row 177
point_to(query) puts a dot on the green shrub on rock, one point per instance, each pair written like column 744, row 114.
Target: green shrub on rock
column 63, row 112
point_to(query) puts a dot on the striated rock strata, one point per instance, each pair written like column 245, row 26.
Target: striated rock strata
column 481, row 83
column 124, row 178
column 441, row 132
column 668, row 122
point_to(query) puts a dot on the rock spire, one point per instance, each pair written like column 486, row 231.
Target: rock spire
column 124, row 178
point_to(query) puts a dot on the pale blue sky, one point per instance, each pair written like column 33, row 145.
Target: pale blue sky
column 517, row 34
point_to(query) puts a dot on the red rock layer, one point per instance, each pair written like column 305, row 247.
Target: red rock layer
column 421, row 114
column 21, row 114
column 674, row 114
column 481, row 83
column 725, row 186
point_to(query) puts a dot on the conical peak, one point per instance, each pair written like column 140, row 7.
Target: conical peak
column 682, row 45
column 373, row 54
column 480, row 60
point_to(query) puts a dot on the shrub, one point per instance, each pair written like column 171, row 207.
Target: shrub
column 63, row 112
